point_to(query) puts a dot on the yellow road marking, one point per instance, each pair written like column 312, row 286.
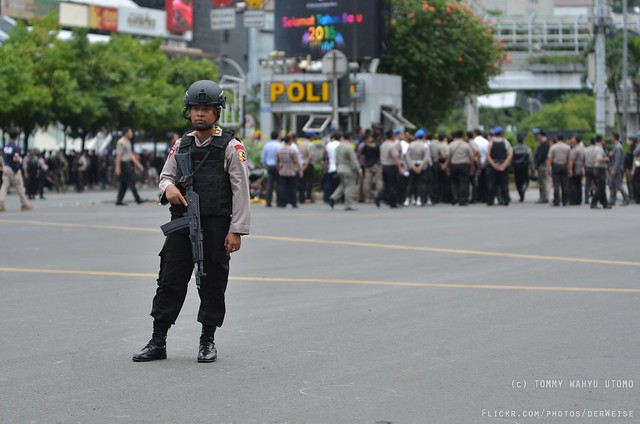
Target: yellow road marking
column 76, row 272
column 452, row 251
column 76, row 225
column 359, row 244
column 342, row 281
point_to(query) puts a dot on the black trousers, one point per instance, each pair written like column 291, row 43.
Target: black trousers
column 521, row 176
column 127, row 179
column 635, row 183
column 390, row 185
column 480, row 188
column 575, row 189
column 560, row 178
column 330, row 181
column 287, row 189
column 444, row 186
column 416, row 186
column 460, row 183
column 498, row 186
column 176, row 266
column 434, row 189
column 272, row 178
column 589, row 183
column 306, row 184
column 600, row 179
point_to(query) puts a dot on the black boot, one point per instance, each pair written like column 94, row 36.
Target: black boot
column 155, row 349
column 207, row 351
column 157, row 346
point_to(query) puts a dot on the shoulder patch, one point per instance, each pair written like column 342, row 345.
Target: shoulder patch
column 242, row 155
column 239, row 146
column 172, row 151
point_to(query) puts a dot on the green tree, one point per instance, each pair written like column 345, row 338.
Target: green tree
column 26, row 77
column 442, row 51
column 614, row 70
column 16, row 85
column 93, row 87
column 77, row 103
column 616, row 5
column 572, row 112
column 141, row 87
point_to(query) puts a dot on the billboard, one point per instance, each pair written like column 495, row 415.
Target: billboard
column 142, row 21
column 315, row 27
column 179, row 16
column 222, row 3
column 20, row 9
column 74, row 15
column 103, row 18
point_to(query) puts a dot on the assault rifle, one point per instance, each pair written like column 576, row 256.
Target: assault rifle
column 192, row 220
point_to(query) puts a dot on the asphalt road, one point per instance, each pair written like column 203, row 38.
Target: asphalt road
column 420, row 315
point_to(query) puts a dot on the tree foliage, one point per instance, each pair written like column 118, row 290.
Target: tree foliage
column 88, row 87
column 632, row 6
column 615, row 77
column 441, row 50
column 572, row 112
column 26, row 76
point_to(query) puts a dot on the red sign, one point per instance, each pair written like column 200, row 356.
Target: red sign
column 179, row 15
column 104, row 18
column 222, row 3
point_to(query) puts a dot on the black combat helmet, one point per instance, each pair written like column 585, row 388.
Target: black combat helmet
column 204, row 92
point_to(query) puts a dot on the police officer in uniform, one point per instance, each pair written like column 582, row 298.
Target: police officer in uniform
column 522, row 162
column 12, row 171
column 222, row 184
column 558, row 168
column 458, row 165
column 391, row 172
column 589, row 170
column 600, row 175
column 126, row 165
column 499, row 158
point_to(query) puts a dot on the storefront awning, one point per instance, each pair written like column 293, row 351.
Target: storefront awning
column 317, row 123
column 397, row 119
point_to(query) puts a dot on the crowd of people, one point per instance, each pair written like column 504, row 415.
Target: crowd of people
column 60, row 171
column 402, row 169
column 392, row 167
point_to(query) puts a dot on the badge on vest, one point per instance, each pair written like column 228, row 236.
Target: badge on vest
column 217, row 132
column 242, row 154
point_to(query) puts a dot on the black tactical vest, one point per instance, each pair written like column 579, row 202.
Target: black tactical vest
column 520, row 156
column 210, row 182
column 499, row 151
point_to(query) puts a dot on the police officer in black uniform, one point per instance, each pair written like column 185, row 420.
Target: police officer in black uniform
column 222, row 183
column 499, row 158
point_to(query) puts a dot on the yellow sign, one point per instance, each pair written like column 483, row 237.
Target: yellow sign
column 297, row 92
column 254, row 4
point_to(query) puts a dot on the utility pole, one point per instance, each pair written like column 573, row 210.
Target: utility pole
column 600, row 28
column 473, row 119
column 625, row 73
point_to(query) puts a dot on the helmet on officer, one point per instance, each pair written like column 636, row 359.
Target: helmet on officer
column 204, row 93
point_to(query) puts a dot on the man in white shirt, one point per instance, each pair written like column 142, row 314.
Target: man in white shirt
column 481, row 144
column 330, row 178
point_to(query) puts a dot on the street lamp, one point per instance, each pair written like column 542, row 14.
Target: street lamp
column 242, row 83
